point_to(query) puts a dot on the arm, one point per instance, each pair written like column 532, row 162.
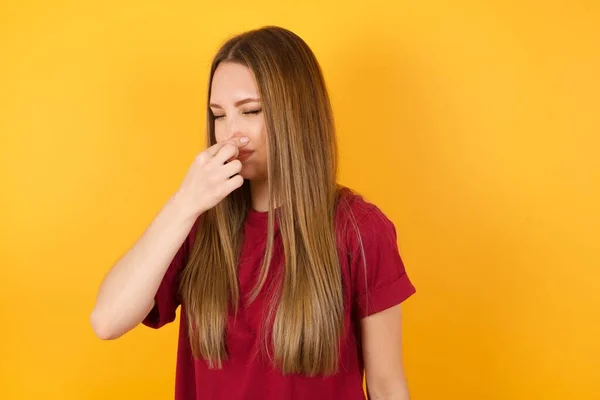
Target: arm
column 382, row 353
column 126, row 294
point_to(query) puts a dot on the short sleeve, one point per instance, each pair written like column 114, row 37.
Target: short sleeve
column 167, row 297
column 380, row 280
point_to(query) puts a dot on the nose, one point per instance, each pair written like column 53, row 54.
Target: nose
column 233, row 128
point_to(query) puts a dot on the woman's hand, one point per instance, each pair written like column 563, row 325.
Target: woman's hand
column 213, row 175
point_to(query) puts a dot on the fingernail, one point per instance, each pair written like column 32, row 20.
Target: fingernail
column 244, row 140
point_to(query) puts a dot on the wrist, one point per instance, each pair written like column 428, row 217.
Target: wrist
column 183, row 207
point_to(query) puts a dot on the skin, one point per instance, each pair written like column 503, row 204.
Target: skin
column 237, row 108
column 382, row 354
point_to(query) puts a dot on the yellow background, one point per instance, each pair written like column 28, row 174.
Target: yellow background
column 474, row 126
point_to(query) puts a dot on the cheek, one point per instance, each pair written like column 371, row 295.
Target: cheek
column 260, row 133
column 220, row 133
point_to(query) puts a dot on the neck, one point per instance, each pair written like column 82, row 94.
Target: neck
column 259, row 190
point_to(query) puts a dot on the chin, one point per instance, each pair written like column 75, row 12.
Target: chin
column 250, row 173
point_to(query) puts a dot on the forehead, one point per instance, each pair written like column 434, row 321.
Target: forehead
column 232, row 81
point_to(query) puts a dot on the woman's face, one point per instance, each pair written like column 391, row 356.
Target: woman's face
column 237, row 109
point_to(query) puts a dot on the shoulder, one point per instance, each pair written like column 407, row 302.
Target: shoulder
column 353, row 207
column 359, row 219
column 368, row 241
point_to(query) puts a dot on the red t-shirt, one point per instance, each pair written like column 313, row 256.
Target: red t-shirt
column 247, row 374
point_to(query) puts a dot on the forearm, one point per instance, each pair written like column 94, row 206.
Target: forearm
column 126, row 294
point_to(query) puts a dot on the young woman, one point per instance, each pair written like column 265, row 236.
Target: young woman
column 289, row 284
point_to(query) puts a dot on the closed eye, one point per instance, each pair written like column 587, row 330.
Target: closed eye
column 250, row 112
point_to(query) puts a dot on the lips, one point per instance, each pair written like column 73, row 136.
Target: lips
column 243, row 155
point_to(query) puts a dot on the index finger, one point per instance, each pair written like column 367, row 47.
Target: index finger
column 238, row 142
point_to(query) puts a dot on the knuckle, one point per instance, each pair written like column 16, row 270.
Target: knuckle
column 213, row 178
column 202, row 158
column 222, row 191
column 230, row 148
column 216, row 195
column 207, row 168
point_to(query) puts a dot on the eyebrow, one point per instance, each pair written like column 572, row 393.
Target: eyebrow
column 239, row 102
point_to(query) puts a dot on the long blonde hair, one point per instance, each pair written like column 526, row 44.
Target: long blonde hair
column 307, row 313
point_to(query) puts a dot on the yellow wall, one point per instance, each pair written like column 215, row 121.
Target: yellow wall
column 474, row 127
